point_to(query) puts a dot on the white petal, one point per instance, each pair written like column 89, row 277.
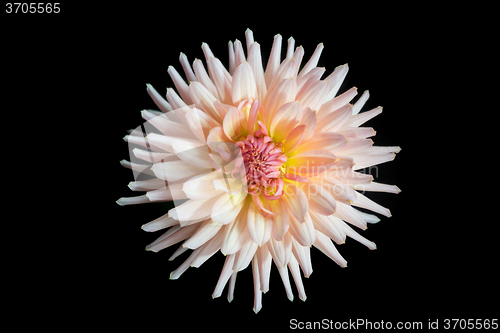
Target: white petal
column 133, row 200
column 180, row 84
column 257, row 305
column 376, row 187
column 280, row 250
column 325, row 245
column 264, row 261
column 243, row 85
column 210, row 248
column 236, row 233
column 354, row 235
column 239, row 54
column 338, row 101
column 172, row 236
column 281, row 221
column 303, row 233
column 284, row 92
column 320, row 200
column 363, row 117
column 147, row 185
column 286, row 282
column 325, row 225
column 313, row 61
column 334, row 120
column 336, row 79
column 205, row 232
column 274, row 60
column 365, row 161
column 294, row 268
column 175, row 101
column 348, row 214
column 174, row 275
column 202, row 187
column 192, row 152
column 259, row 227
column 303, row 256
column 162, row 222
column 152, row 156
column 367, row 203
column 232, row 283
column 314, row 95
column 203, row 78
column 226, row 209
column 244, row 255
column 193, row 211
column 177, row 171
column 227, row 270
column 255, row 61
column 360, row 102
column 204, row 100
column 159, row 101
column 221, row 79
column 187, row 68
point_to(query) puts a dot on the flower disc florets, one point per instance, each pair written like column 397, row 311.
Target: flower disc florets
column 263, row 162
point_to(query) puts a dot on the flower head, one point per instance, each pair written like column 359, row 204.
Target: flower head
column 260, row 164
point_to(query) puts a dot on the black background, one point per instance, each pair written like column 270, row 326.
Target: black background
column 76, row 82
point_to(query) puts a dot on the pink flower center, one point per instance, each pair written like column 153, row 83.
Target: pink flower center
column 263, row 160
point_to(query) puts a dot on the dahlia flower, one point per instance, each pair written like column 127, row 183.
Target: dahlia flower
column 261, row 164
